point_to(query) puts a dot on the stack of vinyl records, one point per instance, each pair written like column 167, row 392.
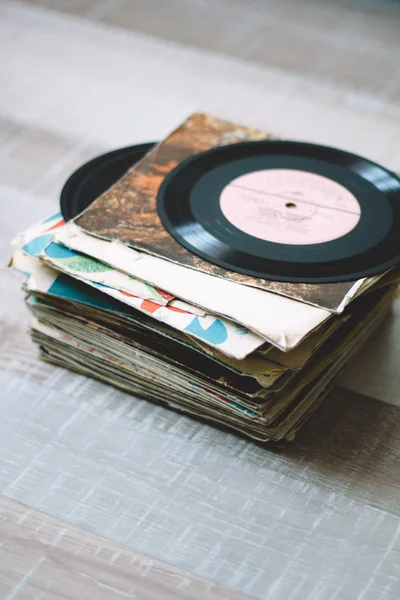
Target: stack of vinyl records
column 222, row 273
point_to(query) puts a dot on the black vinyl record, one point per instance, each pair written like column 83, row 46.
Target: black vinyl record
column 285, row 211
column 96, row 176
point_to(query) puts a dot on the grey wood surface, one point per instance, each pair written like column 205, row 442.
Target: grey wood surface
column 42, row 557
column 86, row 467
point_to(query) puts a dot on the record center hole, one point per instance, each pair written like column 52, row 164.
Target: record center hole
column 290, row 205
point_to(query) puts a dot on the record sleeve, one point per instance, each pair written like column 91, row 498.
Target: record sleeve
column 127, row 212
column 96, row 176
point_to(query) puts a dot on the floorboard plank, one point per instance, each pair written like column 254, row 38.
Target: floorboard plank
column 42, row 557
column 353, row 43
column 323, row 512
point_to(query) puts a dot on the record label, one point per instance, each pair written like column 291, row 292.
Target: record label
column 285, row 211
column 288, row 206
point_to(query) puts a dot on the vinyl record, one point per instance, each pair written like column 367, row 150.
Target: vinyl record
column 285, row 211
column 95, row 177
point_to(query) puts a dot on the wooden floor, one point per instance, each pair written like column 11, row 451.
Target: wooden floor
column 105, row 496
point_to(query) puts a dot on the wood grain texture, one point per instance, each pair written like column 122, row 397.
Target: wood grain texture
column 42, row 557
column 97, row 60
column 262, row 523
column 318, row 521
column 352, row 43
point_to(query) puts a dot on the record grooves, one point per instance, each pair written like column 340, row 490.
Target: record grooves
column 285, row 211
column 93, row 178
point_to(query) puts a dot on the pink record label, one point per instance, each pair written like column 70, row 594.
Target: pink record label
column 290, row 207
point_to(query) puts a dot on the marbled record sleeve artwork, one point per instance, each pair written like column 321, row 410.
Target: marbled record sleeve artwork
column 127, row 212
